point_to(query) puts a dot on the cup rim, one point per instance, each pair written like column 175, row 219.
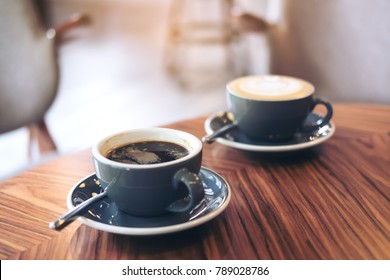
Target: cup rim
column 187, row 137
column 233, row 86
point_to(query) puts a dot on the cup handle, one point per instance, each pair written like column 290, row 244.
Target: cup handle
column 194, row 185
column 318, row 123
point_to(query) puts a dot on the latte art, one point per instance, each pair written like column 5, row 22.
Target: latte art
column 270, row 87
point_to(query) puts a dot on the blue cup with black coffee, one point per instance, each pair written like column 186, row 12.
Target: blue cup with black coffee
column 150, row 171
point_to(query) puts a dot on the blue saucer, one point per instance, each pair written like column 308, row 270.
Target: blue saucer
column 106, row 216
column 301, row 140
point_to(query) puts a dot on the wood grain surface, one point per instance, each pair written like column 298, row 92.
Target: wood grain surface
column 328, row 202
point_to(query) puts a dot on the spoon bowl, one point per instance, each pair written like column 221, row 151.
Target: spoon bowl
column 223, row 123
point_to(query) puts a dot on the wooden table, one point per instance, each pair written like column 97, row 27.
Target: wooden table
column 328, row 202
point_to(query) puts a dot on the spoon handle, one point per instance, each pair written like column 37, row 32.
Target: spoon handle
column 211, row 137
column 71, row 215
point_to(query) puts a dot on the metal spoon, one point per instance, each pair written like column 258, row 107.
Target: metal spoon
column 79, row 210
column 225, row 120
column 76, row 212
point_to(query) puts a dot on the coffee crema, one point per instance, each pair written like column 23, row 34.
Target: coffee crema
column 147, row 152
column 270, row 88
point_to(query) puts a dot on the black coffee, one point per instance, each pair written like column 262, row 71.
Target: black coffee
column 147, row 152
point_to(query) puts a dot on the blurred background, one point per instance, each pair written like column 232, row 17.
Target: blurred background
column 73, row 71
column 126, row 67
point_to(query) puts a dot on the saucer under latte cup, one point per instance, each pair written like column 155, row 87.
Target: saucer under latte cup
column 273, row 107
column 150, row 188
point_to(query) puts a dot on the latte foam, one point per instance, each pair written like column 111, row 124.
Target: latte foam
column 270, row 88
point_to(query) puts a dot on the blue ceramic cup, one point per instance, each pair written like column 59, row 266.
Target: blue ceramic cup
column 151, row 189
column 273, row 108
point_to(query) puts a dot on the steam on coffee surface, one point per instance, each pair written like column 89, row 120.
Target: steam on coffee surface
column 147, row 152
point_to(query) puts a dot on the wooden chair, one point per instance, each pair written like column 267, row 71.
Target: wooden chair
column 29, row 71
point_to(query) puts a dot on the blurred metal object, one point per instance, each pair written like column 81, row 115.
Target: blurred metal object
column 198, row 23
